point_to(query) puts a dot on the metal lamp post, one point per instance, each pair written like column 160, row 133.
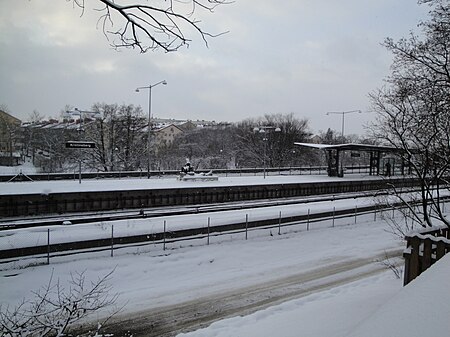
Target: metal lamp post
column 80, row 113
column 343, row 113
column 263, row 130
column 149, row 87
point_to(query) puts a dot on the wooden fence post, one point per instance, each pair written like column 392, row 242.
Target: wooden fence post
column 414, row 266
column 427, row 251
column 440, row 250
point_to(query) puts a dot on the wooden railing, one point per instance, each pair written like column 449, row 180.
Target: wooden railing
column 424, row 249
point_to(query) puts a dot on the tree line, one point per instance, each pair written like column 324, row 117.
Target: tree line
column 121, row 143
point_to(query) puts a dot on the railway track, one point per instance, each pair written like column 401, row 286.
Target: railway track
column 42, row 201
column 150, row 236
column 90, row 217
column 159, row 236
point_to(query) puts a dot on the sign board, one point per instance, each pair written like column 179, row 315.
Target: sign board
column 80, row 145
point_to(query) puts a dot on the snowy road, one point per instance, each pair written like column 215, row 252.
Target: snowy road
column 192, row 315
column 189, row 286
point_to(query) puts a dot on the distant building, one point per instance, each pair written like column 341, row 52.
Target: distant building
column 187, row 126
column 166, row 135
column 10, row 140
column 316, row 139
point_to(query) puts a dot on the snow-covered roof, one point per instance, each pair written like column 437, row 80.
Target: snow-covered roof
column 349, row 146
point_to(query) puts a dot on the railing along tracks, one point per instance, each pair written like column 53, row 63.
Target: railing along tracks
column 90, row 217
column 166, row 237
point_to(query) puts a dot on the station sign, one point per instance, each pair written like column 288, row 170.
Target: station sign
column 80, row 145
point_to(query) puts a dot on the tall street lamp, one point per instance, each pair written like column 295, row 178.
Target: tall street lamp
column 263, row 131
column 343, row 113
column 149, row 87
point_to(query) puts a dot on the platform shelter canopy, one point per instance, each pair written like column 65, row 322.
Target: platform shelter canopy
column 349, row 147
column 335, row 160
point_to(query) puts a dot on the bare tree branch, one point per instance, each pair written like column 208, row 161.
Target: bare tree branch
column 151, row 27
column 55, row 310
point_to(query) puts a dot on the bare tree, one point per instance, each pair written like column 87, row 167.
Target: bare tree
column 277, row 148
column 414, row 110
column 151, row 25
column 206, row 148
column 118, row 137
column 129, row 151
column 55, row 310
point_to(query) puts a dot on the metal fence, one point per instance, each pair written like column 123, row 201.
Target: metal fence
column 304, row 170
column 41, row 245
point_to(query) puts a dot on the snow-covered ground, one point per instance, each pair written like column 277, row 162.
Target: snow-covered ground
column 25, row 168
column 28, row 237
column 155, row 183
column 372, row 307
column 341, row 288
column 149, row 278
column 330, row 313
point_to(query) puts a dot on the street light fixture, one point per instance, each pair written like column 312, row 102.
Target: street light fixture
column 263, row 130
column 149, row 87
column 80, row 113
column 343, row 113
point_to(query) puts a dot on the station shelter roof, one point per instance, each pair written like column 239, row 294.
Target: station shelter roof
column 350, row 147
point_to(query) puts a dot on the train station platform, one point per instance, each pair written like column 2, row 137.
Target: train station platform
column 97, row 185
column 21, row 199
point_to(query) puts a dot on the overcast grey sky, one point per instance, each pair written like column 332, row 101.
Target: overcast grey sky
column 301, row 56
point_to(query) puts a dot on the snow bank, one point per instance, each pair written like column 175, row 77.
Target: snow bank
column 372, row 307
column 330, row 313
column 420, row 309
